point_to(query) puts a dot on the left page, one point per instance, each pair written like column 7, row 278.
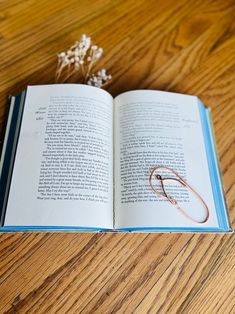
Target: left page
column 63, row 170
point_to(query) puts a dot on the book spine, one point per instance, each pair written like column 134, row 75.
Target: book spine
column 9, row 150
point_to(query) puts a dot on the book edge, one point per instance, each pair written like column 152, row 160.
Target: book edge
column 10, row 146
column 214, row 167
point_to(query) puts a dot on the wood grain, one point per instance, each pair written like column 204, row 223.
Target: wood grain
column 185, row 46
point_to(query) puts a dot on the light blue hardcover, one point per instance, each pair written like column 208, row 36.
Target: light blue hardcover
column 213, row 163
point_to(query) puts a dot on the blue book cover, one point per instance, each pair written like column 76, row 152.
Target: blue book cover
column 76, row 159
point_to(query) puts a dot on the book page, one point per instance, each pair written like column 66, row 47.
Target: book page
column 63, row 171
column 161, row 171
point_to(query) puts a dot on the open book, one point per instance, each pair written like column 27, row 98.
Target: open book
column 74, row 158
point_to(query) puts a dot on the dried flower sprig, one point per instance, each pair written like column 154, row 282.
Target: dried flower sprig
column 82, row 56
column 100, row 79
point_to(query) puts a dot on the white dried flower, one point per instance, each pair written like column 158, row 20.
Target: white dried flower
column 95, row 55
column 100, row 79
column 81, row 56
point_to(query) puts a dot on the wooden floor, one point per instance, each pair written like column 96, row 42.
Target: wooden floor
column 183, row 46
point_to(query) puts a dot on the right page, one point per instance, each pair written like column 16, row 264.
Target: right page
column 164, row 171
